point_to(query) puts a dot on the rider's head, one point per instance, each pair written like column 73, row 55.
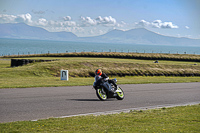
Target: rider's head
column 98, row 72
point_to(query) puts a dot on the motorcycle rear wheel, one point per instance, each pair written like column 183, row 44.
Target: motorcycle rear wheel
column 120, row 95
column 102, row 96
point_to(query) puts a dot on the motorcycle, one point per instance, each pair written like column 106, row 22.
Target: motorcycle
column 107, row 90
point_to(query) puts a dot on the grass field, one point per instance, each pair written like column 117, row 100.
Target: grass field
column 185, row 119
column 81, row 71
column 127, row 71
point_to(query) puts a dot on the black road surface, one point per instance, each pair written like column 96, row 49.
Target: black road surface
column 40, row 103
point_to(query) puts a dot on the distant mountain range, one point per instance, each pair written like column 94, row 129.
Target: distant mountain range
column 134, row 36
column 24, row 31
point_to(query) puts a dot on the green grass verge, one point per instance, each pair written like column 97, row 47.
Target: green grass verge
column 27, row 82
column 172, row 120
column 81, row 71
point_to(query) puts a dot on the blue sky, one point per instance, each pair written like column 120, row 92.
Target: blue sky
column 178, row 18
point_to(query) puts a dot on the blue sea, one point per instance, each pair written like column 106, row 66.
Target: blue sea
column 21, row 46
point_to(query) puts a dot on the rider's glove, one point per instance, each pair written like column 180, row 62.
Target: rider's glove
column 106, row 79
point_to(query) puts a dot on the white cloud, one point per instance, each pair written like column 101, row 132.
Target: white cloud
column 86, row 26
column 103, row 21
column 67, row 18
column 26, row 18
column 55, row 25
column 70, row 23
column 106, row 20
column 42, row 22
column 23, row 18
column 4, row 18
column 87, row 21
column 156, row 24
column 168, row 25
column 142, row 23
column 187, row 27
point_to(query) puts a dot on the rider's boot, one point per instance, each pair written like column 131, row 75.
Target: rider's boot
column 116, row 89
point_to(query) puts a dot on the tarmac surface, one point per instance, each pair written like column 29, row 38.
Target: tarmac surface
column 22, row 104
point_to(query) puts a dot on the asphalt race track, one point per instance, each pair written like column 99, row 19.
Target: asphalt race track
column 41, row 103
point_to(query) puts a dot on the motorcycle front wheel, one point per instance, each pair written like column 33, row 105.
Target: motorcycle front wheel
column 101, row 94
column 120, row 94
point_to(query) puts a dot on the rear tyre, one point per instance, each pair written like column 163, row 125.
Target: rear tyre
column 101, row 94
column 120, row 95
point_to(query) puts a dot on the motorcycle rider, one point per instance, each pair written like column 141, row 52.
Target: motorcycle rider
column 103, row 76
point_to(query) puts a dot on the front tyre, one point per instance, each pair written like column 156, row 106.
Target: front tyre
column 101, row 94
column 120, row 94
